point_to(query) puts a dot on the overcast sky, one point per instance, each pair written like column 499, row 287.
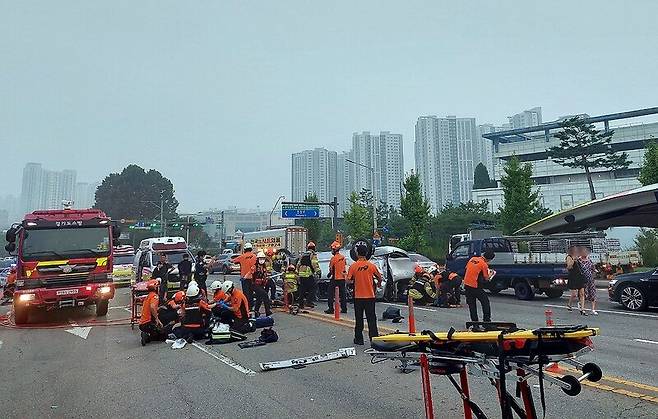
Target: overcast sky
column 218, row 94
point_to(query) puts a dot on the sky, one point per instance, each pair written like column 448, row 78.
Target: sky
column 216, row 95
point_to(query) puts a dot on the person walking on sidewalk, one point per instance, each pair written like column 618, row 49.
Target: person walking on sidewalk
column 337, row 276
column 477, row 271
column 362, row 273
column 589, row 270
column 575, row 280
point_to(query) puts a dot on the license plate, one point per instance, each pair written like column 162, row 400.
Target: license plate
column 67, row 292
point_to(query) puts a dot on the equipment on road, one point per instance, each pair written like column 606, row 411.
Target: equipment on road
column 492, row 352
column 302, row 362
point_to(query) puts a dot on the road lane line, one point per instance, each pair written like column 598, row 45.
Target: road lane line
column 0, row 344
column 225, row 360
column 415, row 307
column 646, row 341
column 651, row 316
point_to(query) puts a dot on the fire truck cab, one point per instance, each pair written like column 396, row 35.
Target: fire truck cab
column 64, row 259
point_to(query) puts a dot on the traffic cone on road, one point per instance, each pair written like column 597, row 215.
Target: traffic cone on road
column 554, row 368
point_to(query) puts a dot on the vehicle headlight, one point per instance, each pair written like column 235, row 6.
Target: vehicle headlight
column 26, row 297
column 613, row 282
column 105, row 290
column 559, row 281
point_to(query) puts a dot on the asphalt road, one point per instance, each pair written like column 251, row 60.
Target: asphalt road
column 71, row 371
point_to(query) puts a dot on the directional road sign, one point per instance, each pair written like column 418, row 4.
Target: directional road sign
column 300, row 211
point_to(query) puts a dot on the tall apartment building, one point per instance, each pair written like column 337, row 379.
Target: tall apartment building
column 328, row 173
column 525, row 119
column 447, row 151
column 314, row 172
column 383, row 153
column 46, row 189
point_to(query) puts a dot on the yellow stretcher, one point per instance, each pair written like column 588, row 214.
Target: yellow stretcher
column 492, row 350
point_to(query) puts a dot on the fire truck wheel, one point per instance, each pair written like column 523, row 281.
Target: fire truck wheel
column 21, row 315
column 101, row 307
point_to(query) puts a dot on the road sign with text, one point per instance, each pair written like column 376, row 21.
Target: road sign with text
column 300, row 211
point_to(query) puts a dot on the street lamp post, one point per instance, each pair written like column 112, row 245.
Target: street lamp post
column 374, row 194
column 159, row 205
column 274, row 208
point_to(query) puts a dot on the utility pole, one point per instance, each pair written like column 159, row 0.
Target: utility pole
column 374, row 193
column 187, row 233
column 160, row 206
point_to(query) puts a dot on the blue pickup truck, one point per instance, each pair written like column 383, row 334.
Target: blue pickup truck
column 527, row 279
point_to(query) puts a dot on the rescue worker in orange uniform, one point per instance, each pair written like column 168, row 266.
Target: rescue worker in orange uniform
column 447, row 287
column 337, row 275
column 10, row 286
column 237, row 313
column 169, row 313
column 195, row 315
column 362, row 273
column 477, row 271
column 246, row 260
column 149, row 323
column 219, row 299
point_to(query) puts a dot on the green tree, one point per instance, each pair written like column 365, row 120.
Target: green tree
column 136, row 193
column 416, row 211
column 481, row 179
column 521, row 205
column 583, row 146
column 356, row 219
column 646, row 242
column 649, row 170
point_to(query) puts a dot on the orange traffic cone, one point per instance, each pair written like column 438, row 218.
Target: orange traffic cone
column 554, row 368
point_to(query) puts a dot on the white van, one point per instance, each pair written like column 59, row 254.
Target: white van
column 148, row 255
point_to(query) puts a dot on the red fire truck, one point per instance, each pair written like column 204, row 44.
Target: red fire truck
column 64, row 259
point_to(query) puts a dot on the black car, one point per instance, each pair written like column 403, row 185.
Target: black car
column 635, row 291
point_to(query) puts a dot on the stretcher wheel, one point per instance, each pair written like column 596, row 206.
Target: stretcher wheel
column 595, row 373
column 574, row 383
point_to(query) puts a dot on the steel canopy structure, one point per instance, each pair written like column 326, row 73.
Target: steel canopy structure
column 634, row 208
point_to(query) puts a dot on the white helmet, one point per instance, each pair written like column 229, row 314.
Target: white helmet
column 261, row 255
column 227, row 285
column 192, row 290
column 215, row 286
column 248, row 246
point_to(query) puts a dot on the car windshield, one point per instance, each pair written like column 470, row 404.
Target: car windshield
column 172, row 257
column 65, row 243
column 123, row 260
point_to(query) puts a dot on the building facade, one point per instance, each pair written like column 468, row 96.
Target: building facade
column 46, row 189
column 329, row 174
column 529, row 118
column 447, row 151
column 85, row 194
column 562, row 187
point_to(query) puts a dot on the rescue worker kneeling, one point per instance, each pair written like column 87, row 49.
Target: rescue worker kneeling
column 149, row 323
column 448, row 286
column 195, row 313
column 235, row 314
column 219, row 302
column 260, row 275
column 169, row 313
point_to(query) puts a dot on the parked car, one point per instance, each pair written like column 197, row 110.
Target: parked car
column 635, row 291
column 224, row 264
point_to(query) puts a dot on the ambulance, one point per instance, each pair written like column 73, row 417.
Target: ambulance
column 147, row 257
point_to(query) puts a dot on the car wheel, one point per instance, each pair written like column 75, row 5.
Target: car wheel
column 551, row 293
column 102, row 307
column 523, row 291
column 633, row 298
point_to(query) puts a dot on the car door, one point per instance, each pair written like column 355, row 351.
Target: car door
column 459, row 258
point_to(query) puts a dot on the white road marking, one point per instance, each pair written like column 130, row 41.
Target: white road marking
column 0, row 344
column 82, row 332
column 646, row 341
column 625, row 313
column 226, row 360
column 119, row 308
column 415, row 308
